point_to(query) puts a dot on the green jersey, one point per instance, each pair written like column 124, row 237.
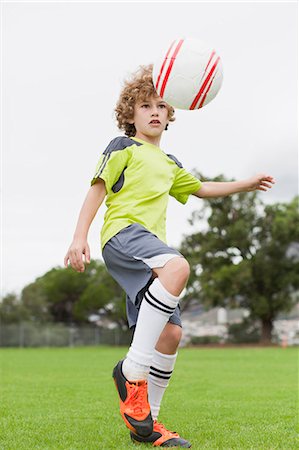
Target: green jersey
column 139, row 177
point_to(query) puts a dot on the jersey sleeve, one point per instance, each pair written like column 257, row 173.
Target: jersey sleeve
column 111, row 164
column 184, row 184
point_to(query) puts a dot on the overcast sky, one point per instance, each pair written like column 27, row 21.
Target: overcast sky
column 62, row 69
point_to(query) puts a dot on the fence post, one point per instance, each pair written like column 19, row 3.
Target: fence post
column 21, row 334
column 116, row 336
column 47, row 334
column 71, row 337
column 96, row 336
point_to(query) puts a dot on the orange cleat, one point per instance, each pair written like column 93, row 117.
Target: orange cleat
column 161, row 437
column 134, row 406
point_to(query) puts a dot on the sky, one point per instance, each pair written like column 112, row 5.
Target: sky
column 62, row 68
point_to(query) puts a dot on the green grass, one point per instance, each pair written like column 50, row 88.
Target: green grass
column 238, row 398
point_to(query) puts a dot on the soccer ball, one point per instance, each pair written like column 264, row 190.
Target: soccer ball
column 188, row 75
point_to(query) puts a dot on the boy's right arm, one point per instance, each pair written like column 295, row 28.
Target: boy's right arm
column 79, row 246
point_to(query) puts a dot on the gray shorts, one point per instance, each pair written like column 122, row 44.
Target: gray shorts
column 129, row 257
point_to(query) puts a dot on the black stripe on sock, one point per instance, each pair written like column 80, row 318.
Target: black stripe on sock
column 158, row 301
column 161, row 371
column 157, row 307
column 159, row 376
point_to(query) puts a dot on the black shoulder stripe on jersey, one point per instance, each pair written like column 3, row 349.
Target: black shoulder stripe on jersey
column 178, row 163
column 117, row 144
column 104, row 162
column 120, row 143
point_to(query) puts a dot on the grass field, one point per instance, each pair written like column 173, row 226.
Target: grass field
column 238, row 398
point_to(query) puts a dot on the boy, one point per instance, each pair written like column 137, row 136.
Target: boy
column 136, row 177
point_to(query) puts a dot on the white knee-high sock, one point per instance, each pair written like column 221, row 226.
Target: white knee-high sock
column 156, row 308
column 158, row 379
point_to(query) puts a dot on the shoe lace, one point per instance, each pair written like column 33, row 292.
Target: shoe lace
column 137, row 396
column 158, row 426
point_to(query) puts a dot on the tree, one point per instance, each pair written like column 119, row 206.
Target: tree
column 35, row 302
column 102, row 293
column 245, row 254
column 12, row 310
column 61, row 289
column 64, row 295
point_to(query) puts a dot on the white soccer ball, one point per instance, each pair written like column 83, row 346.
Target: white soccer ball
column 188, row 75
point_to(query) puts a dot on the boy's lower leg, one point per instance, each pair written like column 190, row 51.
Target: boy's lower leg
column 162, row 365
column 160, row 373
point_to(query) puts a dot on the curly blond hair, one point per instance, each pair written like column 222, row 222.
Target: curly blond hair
column 137, row 89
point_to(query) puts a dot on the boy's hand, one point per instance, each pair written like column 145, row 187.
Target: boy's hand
column 260, row 182
column 75, row 255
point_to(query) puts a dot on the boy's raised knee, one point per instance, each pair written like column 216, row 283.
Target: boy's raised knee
column 174, row 275
column 184, row 268
column 180, row 269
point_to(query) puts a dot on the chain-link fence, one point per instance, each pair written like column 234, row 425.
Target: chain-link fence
column 60, row 335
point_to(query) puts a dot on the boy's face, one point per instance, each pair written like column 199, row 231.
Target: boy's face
column 150, row 117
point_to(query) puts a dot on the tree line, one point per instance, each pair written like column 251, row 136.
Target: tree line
column 242, row 253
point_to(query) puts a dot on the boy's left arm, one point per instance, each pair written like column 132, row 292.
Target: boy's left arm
column 260, row 182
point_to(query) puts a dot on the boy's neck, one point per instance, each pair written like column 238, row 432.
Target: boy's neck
column 155, row 140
